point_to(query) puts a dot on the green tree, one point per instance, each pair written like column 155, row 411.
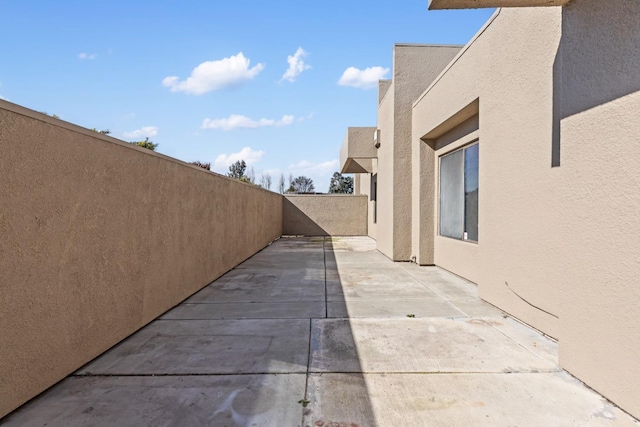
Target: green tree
column 301, row 185
column 146, row 144
column 237, row 170
column 341, row 184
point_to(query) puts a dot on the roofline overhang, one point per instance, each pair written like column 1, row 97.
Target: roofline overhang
column 479, row 4
column 358, row 150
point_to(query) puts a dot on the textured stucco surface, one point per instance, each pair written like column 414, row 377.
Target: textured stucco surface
column 414, row 69
column 599, row 199
column 358, row 150
column 514, row 85
column 384, row 228
column 383, row 87
column 559, row 97
column 324, row 215
column 99, row 238
column 366, row 182
column 425, row 215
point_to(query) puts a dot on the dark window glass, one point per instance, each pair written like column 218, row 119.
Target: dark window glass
column 451, row 198
column 471, row 193
column 459, row 194
column 374, row 196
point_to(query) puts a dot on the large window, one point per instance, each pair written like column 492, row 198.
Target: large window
column 459, row 194
column 373, row 196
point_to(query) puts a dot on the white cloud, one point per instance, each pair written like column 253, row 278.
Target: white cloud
column 84, row 55
column 248, row 154
column 363, row 79
column 296, row 65
column 235, row 121
column 143, row 132
column 213, row 75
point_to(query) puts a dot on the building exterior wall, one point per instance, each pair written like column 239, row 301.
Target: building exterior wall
column 99, row 238
column 509, row 68
column 358, row 150
column 383, row 87
column 366, row 188
column 462, row 131
column 324, row 215
column 460, row 257
column 414, row 68
column 384, row 228
column 558, row 99
column 422, row 201
column 598, row 188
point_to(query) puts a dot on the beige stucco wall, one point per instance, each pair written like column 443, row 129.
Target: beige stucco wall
column 384, row 229
column 509, row 67
column 452, row 254
column 383, row 87
column 99, row 238
column 559, row 97
column 598, row 188
column 358, row 151
column 363, row 187
column 414, row 68
column 458, row 131
column 324, row 215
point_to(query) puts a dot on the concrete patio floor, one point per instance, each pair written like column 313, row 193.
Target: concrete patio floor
column 316, row 332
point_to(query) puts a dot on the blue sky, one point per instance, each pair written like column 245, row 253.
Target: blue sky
column 274, row 82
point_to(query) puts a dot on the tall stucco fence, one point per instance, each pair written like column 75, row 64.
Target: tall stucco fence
column 98, row 238
column 324, row 215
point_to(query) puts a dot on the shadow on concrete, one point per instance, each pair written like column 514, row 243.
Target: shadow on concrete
column 333, row 344
column 249, row 349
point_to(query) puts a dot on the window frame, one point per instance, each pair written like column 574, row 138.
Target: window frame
column 462, row 148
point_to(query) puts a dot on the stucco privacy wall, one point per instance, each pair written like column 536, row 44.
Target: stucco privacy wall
column 324, row 215
column 99, row 238
column 559, row 97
